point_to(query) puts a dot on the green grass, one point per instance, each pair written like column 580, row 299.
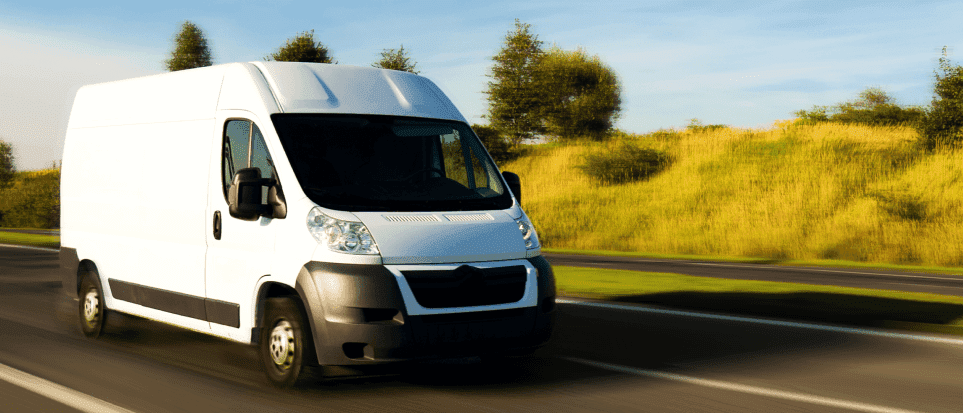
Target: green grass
column 51, row 241
column 841, row 305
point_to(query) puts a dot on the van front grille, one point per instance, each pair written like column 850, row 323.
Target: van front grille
column 467, row 286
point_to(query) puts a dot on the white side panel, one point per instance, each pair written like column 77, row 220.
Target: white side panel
column 183, row 95
column 133, row 201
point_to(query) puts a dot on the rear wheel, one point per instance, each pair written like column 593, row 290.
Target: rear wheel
column 91, row 307
column 285, row 342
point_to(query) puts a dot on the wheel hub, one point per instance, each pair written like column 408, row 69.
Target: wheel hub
column 282, row 345
column 91, row 306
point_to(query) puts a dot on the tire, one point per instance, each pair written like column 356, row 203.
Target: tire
column 285, row 342
column 91, row 309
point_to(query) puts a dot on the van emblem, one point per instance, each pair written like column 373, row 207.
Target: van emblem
column 470, row 277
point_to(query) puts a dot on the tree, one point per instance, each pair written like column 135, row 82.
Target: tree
column 498, row 147
column 514, row 98
column 942, row 123
column 7, row 170
column 190, row 49
column 396, row 60
column 583, row 95
column 302, row 48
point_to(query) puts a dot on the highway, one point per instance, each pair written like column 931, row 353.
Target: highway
column 845, row 277
column 603, row 357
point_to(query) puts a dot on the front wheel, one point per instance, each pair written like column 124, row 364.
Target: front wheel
column 284, row 342
column 92, row 309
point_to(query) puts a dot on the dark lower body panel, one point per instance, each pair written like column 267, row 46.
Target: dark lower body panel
column 358, row 317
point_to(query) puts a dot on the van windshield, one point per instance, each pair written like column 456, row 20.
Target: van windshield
column 390, row 163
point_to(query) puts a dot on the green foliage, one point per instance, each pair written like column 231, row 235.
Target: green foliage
column 514, row 98
column 873, row 106
column 664, row 135
column 190, row 49
column 816, row 115
column 396, row 60
column 628, row 163
column 7, row 169
column 695, row 125
column 901, row 205
column 33, row 201
column 583, row 95
column 942, row 124
column 499, row 147
column 302, row 48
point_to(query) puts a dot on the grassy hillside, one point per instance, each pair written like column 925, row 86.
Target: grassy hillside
column 33, row 201
column 825, row 191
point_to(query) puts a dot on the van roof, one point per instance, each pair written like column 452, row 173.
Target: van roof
column 260, row 87
column 330, row 88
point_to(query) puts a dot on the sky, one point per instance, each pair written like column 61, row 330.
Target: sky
column 739, row 63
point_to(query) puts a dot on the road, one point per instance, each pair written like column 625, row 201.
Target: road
column 33, row 231
column 603, row 357
column 844, row 277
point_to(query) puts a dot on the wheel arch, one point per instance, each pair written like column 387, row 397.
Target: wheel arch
column 273, row 289
column 85, row 267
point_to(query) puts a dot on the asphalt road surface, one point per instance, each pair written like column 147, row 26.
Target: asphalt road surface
column 603, row 357
column 33, row 231
column 845, row 277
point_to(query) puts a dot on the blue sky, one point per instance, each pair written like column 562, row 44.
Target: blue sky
column 744, row 64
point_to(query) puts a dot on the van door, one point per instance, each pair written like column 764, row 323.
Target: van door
column 239, row 252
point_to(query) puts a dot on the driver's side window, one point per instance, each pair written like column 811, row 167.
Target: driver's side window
column 244, row 147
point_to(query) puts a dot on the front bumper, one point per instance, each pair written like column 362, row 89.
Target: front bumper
column 367, row 314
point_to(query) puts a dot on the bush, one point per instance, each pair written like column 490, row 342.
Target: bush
column 696, row 126
column 33, row 201
column 497, row 145
column 816, row 115
column 665, row 135
column 942, row 124
column 872, row 107
column 628, row 163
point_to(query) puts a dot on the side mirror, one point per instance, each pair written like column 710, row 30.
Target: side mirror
column 244, row 195
column 279, row 208
column 514, row 184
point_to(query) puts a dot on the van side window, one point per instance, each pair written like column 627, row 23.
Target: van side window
column 244, row 147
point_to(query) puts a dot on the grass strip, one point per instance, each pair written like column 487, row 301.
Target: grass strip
column 690, row 257
column 36, row 240
column 839, row 305
column 769, row 261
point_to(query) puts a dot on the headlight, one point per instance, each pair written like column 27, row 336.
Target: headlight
column 528, row 233
column 341, row 236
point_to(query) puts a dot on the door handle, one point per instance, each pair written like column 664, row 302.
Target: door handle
column 217, row 225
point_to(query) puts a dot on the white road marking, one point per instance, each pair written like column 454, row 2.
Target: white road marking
column 793, row 324
column 54, row 391
column 28, row 247
column 742, row 388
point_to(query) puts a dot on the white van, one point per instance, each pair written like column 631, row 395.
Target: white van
column 331, row 215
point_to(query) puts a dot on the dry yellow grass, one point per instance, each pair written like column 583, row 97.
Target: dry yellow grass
column 826, row 191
